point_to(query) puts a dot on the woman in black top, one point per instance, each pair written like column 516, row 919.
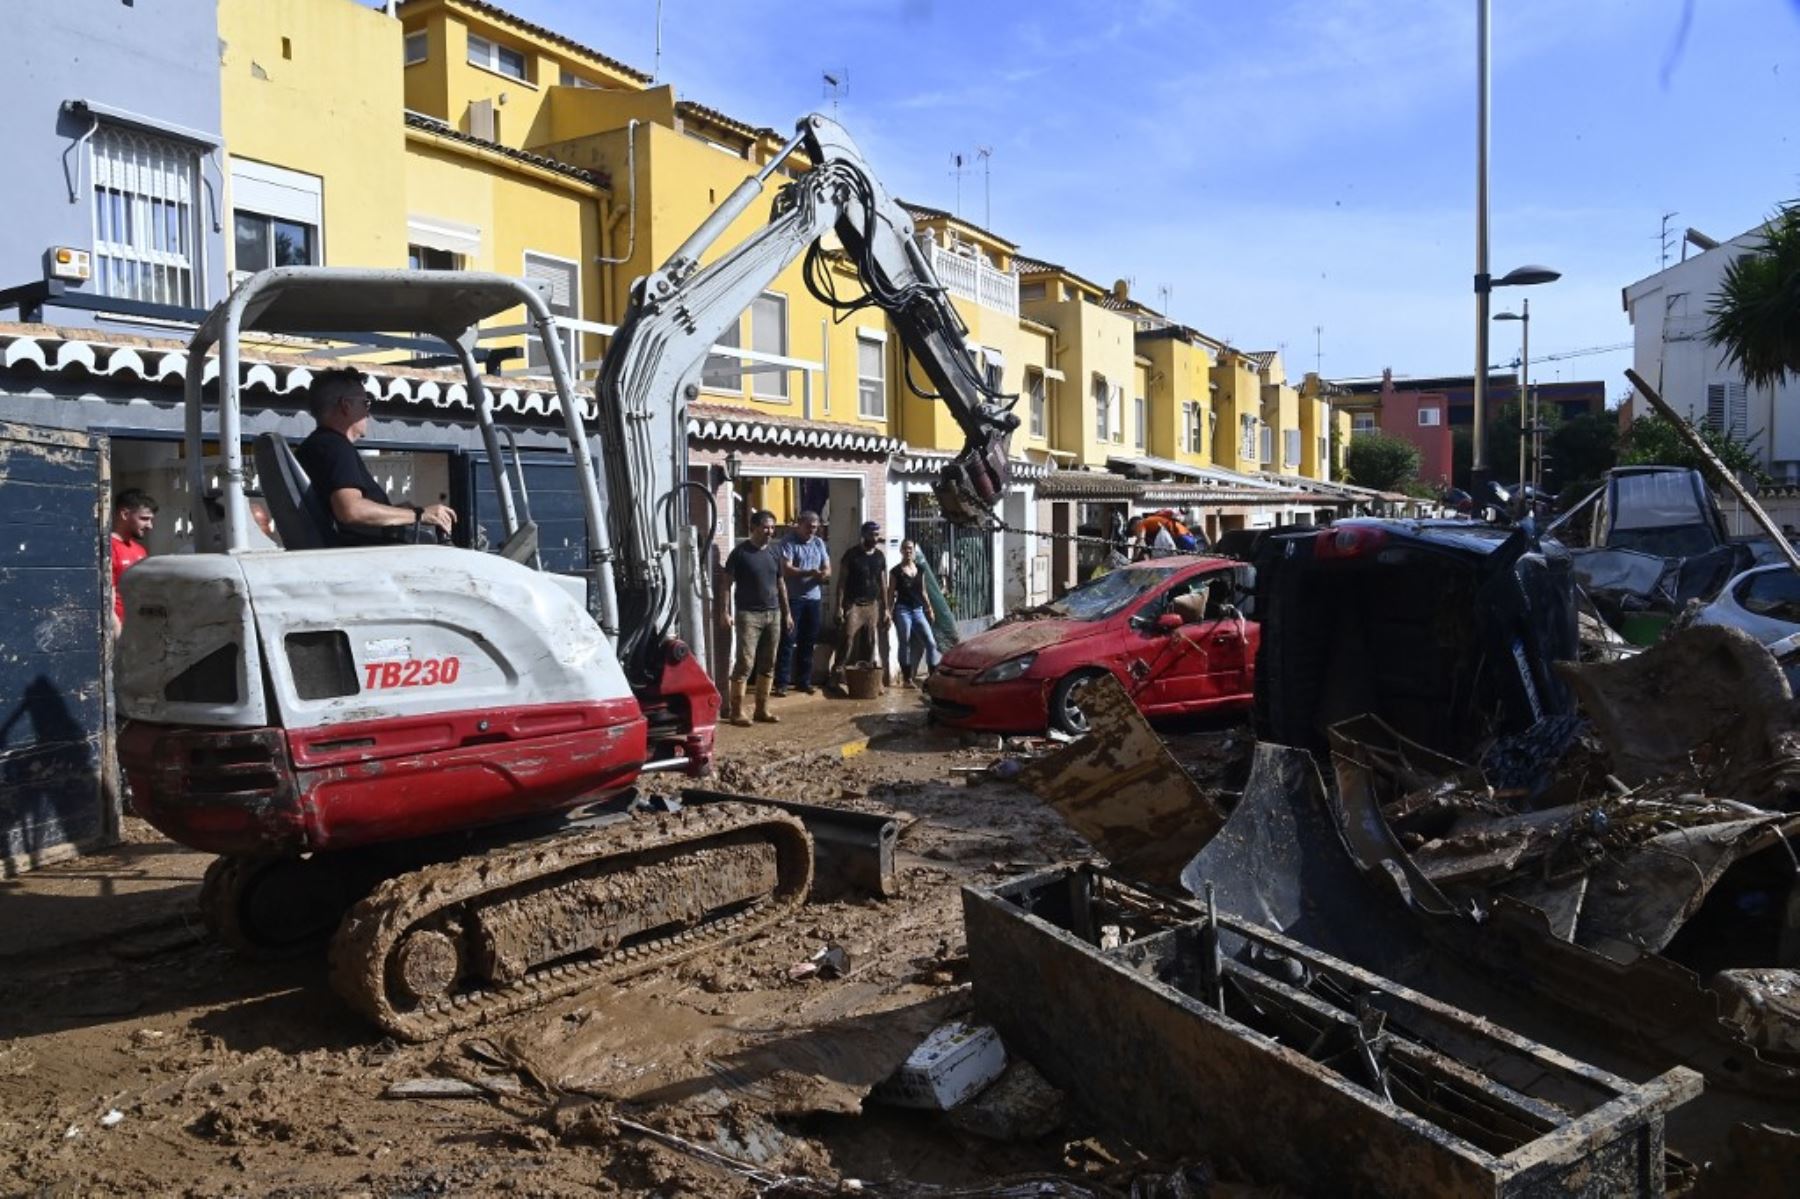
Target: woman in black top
column 912, row 612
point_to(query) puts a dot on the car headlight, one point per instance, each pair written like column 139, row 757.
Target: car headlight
column 1008, row 670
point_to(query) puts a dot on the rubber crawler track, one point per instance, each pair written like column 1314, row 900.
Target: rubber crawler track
column 374, row 928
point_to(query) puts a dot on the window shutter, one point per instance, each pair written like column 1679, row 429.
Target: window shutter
column 1715, row 406
column 481, row 120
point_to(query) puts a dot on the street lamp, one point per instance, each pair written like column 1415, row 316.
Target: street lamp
column 1524, row 276
column 1523, row 316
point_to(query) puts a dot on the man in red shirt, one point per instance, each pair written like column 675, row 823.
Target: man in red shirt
column 134, row 515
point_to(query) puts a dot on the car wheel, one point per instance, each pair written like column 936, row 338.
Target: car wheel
column 1065, row 702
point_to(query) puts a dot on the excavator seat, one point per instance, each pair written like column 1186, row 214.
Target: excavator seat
column 297, row 510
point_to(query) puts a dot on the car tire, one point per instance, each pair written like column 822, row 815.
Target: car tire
column 1065, row 713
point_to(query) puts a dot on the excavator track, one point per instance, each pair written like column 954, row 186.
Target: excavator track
column 455, row 944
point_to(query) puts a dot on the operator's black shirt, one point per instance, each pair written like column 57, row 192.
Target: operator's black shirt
column 755, row 573
column 332, row 464
column 865, row 572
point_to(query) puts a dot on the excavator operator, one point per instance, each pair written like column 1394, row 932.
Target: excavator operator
column 358, row 506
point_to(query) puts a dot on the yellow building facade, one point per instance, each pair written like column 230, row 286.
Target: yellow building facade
column 312, row 119
column 1097, row 356
column 1279, row 449
column 1182, row 420
column 1237, row 399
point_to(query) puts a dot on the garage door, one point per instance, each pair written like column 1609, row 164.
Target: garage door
column 53, row 727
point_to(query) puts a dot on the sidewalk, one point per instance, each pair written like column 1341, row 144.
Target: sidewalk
column 145, row 882
column 816, row 723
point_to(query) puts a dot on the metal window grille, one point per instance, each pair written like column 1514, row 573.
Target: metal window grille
column 962, row 558
column 1034, row 384
column 1728, row 409
column 146, row 230
column 871, row 379
column 1247, row 438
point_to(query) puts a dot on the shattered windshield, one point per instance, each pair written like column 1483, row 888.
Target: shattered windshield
column 1109, row 593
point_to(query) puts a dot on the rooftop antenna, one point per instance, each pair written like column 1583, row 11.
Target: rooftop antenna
column 986, row 154
column 956, row 169
column 656, row 65
column 1319, row 351
column 1665, row 239
column 1165, row 296
column 837, row 86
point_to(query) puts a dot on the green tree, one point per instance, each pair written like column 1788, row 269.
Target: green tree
column 1382, row 462
column 1756, row 317
column 1579, row 451
column 1653, row 441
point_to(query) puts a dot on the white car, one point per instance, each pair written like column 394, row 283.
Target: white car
column 1764, row 602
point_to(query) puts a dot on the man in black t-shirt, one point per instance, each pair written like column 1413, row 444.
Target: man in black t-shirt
column 359, row 508
column 753, row 570
column 862, row 605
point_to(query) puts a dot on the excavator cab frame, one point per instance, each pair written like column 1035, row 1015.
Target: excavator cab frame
column 335, row 303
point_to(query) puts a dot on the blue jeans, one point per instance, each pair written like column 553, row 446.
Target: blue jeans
column 910, row 622
column 794, row 663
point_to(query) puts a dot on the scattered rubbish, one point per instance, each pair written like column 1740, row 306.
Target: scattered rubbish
column 1370, row 1084
column 112, row 1119
column 72, row 1132
column 954, row 1062
column 1020, row 1105
column 453, row 1088
column 1121, row 789
column 830, row 961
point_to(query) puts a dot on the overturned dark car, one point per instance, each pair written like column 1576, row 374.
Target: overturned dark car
column 1445, row 628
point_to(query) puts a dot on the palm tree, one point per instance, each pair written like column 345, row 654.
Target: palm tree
column 1756, row 318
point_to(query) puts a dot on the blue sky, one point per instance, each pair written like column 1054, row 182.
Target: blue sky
column 1281, row 165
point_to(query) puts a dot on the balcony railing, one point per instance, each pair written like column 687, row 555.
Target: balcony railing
column 972, row 279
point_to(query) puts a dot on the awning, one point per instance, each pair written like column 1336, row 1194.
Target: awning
column 435, row 233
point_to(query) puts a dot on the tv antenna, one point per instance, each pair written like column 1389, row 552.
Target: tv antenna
column 957, row 167
column 986, row 154
column 1664, row 236
column 837, row 85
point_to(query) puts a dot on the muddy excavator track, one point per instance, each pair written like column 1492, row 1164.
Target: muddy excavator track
column 454, row 944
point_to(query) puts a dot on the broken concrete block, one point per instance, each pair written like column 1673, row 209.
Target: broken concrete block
column 957, row 1060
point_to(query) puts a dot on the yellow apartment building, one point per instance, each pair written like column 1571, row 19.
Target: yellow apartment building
column 1182, row 418
column 1097, row 356
column 1237, row 399
column 1280, row 444
column 312, row 111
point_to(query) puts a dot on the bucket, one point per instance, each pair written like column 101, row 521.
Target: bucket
column 863, row 682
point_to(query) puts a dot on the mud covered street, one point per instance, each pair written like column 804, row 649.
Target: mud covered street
column 157, row 1063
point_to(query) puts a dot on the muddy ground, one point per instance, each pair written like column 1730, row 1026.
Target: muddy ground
column 161, row 1065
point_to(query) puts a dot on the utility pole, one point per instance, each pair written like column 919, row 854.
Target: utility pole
column 1478, row 464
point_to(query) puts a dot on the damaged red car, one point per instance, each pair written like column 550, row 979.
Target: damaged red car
column 1176, row 632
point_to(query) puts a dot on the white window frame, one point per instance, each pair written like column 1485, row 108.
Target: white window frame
column 876, row 384
column 1140, row 413
column 568, row 78
column 768, row 384
column 1428, row 418
column 417, row 48
column 1268, row 444
column 725, row 373
column 1118, row 410
column 1363, row 422
column 273, row 193
column 1196, row 438
column 1291, row 447
column 1037, row 402
column 1102, row 408
column 148, row 188
column 1247, row 437
column 535, row 358
column 487, row 54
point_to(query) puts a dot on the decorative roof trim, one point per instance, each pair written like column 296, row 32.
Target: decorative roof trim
column 430, row 124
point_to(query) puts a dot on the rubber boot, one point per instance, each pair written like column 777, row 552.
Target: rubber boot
column 737, row 716
column 763, row 715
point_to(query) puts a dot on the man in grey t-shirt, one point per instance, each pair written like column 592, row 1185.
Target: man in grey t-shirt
column 753, row 570
column 805, row 568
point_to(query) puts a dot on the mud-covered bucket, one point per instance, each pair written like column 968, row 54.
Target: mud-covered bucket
column 863, row 682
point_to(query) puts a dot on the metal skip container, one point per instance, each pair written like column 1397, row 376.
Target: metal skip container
column 1194, row 1033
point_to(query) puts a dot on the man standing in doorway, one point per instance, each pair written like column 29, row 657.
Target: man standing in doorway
column 134, row 515
column 360, row 511
column 805, row 569
column 753, row 570
column 862, row 604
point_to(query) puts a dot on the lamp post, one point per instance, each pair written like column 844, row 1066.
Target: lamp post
column 1523, row 316
column 1524, row 276
column 1485, row 283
